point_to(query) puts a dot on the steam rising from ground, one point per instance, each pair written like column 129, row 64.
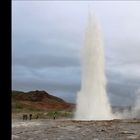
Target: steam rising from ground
column 133, row 112
column 136, row 109
column 92, row 100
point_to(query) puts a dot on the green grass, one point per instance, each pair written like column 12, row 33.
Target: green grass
column 18, row 107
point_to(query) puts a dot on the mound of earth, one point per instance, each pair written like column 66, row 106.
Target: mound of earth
column 38, row 100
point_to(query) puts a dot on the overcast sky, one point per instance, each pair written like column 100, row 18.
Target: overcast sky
column 47, row 38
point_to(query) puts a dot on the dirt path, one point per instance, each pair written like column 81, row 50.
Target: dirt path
column 75, row 130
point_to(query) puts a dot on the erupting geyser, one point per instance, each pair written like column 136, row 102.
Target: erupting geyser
column 92, row 100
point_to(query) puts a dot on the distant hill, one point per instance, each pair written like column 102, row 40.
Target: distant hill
column 37, row 100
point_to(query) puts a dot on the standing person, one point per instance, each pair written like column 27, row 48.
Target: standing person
column 25, row 117
column 54, row 115
column 30, row 116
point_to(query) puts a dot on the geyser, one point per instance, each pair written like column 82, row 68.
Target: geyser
column 92, row 100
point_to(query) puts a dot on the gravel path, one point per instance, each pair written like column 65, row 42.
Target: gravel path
column 75, row 130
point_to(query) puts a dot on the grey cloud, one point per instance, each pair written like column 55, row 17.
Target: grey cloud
column 41, row 61
column 121, row 93
column 39, row 55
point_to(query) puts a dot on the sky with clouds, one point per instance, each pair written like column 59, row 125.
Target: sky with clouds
column 47, row 38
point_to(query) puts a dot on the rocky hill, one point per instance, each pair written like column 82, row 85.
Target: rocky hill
column 38, row 100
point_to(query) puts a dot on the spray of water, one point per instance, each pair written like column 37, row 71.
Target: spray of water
column 133, row 112
column 92, row 100
column 136, row 108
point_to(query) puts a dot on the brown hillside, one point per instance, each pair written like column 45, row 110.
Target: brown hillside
column 38, row 100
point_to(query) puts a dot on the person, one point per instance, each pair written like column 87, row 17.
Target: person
column 54, row 115
column 25, row 117
column 30, row 116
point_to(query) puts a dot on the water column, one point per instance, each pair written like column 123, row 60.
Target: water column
column 92, row 100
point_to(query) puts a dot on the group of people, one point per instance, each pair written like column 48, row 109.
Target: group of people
column 25, row 116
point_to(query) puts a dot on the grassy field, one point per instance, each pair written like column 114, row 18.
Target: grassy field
column 18, row 111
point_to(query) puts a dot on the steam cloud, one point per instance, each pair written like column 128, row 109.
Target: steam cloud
column 92, row 100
